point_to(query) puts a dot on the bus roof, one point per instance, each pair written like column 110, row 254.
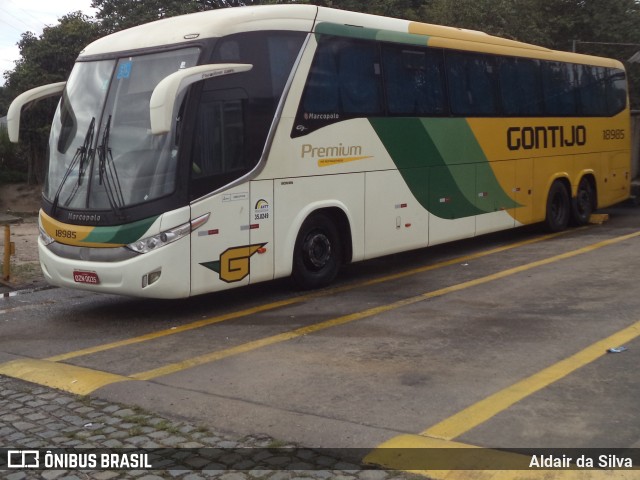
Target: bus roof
column 208, row 24
column 308, row 18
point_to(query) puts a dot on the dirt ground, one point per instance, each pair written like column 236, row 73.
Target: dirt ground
column 22, row 201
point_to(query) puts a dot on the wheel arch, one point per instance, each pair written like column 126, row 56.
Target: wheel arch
column 337, row 212
column 565, row 180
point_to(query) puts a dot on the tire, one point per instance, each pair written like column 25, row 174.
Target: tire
column 582, row 205
column 558, row 208
column 317, row 254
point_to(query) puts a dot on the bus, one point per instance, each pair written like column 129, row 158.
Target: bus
column 229, row 147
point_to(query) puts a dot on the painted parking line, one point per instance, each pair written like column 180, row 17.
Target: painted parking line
column 298, row 299
column 345, row 319
column 403, row 452
column 412, row 452
column 78, row 380
column 17, row 370
column 483, row 410
column 442, row 434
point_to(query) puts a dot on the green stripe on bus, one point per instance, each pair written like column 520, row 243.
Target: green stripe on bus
column 371, row 34
column 122, row 234
column 457, row 144
column 442, row 164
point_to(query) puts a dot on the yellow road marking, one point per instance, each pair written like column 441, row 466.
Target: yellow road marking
column 412, row 452
column 91, row 380
column 294, row 300
column 483, row 410
column 172, row 331
column 70, row 378
column 263, row 342
column 403, row 452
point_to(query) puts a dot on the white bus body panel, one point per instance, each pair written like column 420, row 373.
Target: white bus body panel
column 217, row 261
column 262, row 210
column 395, row 221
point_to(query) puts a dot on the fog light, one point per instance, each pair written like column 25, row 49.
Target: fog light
column 151, row 278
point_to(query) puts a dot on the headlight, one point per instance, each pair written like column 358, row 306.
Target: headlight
column 148, row 244
column 45, row 237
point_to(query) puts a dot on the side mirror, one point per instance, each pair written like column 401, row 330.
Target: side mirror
column 163, row 98
column 33, row 95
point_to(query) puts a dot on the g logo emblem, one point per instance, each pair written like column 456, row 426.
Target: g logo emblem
column 234, row 264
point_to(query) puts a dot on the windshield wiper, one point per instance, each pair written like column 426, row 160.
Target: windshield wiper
column 83, row 155
column 108, row 175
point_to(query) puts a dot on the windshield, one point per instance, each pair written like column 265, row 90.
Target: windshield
column 102, row 155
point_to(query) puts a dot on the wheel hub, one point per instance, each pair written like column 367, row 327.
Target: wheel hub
column 318, row 250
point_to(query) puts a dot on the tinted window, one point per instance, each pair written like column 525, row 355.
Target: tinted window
column 220, row 148
column 616, row 90
column 413, row 80
column 520, row 86
column 559, row 85
column 592, row 89
column 344, row 79
column 472, row 84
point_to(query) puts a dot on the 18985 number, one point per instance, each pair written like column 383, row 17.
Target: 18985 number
column 613, row 134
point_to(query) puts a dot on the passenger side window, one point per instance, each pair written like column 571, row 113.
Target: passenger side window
column 616, row 90
column 592, row 89
column 472, row 84
column 344, row 82
column 520, row 84
column 559, row 85
column 413, row 80
column 351, row 78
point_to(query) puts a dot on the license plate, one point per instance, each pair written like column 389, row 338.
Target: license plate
column 86, row 277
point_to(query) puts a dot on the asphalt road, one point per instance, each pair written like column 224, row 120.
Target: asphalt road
column 498, row 342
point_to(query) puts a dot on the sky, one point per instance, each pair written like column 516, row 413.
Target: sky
column 19, row 16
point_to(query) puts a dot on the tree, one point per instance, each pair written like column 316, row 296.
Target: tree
column 45, row 59
column 115, row 15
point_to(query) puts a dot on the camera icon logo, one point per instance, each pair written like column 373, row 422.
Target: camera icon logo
column 23, row 459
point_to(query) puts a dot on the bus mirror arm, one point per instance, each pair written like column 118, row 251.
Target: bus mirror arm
column 30, row 96
column 163, row 98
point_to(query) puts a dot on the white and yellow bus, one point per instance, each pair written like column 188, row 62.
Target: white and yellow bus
column 228, row 147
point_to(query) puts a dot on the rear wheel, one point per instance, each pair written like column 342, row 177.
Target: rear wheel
column 583, row 203
column 317, row 255
column 558, row 207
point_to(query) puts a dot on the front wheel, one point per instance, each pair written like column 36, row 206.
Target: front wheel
column 558, row 208
column 317, row 253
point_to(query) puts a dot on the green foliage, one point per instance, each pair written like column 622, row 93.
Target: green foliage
column 11, row 170
column 117, row 15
